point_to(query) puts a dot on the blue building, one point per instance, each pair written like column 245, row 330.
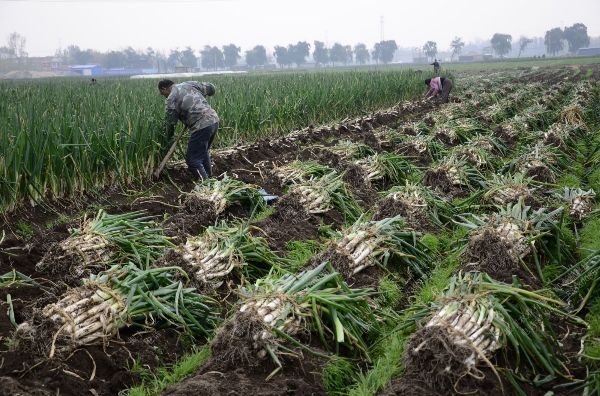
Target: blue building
column 588, row 51
column 87, row 70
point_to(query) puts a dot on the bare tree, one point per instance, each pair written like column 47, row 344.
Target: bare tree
column 523, row 43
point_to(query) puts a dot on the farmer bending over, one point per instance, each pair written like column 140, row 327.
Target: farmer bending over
column 439, row 85
column 186, row 103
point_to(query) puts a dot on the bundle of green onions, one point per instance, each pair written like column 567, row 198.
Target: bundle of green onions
column 561, row 136
column 510, row 131
column 410, row 128
column 413, row 201
column 474, row 317
column 120, row 297
column 374, row 243
column 212, row 196
column 349, row 150
column 387, row 167
column 321, row 195
column 541, row 156
column 106, row 238
column 475, row 156
column 452, row 172
column 465, row 127
column 515, row 228
column 508, row 188
column 414, row 146
column 538, row 116
column 487, row 143
column 275, row 309
column 220, row 249
column 447, row 136
column 299, row 171
column 580, row 202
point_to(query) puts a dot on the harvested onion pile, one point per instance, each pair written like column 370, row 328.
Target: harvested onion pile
column 104, row 239
column 121, row 296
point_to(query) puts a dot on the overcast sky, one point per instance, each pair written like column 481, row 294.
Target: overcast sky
column 114, row 25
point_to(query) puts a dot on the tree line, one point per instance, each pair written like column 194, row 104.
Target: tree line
column 228, row 56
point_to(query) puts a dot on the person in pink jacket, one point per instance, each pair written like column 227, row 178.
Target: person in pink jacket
column 439, row 85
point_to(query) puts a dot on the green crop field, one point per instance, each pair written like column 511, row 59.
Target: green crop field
column 61, row 137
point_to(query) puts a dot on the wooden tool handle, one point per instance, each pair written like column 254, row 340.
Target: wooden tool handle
column 169, row 153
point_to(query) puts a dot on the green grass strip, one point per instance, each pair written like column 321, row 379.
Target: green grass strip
column 154, row 383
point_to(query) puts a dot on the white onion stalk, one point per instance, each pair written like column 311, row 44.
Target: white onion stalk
column 469, row 323
column 372, row 168
column 359, row 244
column 117, row 297
column 288, row 174
column 512, row 235
column 298, row 172
column 271, row 311
column 448, row 134
column 313, row 198
column 210, row 257
column 511, row 194
column 85, row 315
column 91, row 248
column 417, row 145
column 580, row 201
column 213, row 195
column 453, row 175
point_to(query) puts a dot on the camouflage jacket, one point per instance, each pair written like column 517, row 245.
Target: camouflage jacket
column 186, row 103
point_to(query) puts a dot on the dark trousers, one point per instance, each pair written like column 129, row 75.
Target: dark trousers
column 446, row 88
column 197, row 157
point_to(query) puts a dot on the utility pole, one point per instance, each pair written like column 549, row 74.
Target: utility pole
column 381, row 23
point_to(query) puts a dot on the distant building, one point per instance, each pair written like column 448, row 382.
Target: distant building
column 6, row 55
column 182, row 69
column 470, row 57
column 589, row 51
column 56, row 63
column 45, row 63
column 87, row 70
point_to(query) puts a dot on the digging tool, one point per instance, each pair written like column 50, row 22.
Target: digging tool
column 169, row 153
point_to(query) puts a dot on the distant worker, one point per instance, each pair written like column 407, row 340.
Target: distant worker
column 436, row 66
column 186, row 103
column 94, row 81
column 439, row 85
